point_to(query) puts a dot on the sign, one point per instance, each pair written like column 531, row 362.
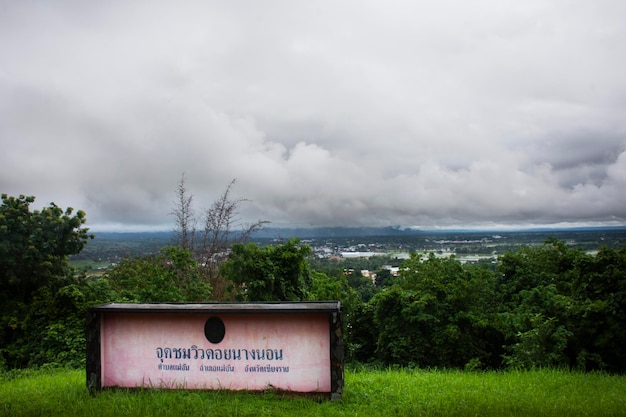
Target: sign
column 295, row 347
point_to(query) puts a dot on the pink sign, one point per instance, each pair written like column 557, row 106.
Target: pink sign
column 216, row 351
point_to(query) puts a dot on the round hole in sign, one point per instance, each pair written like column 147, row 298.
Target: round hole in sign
column 214, row 330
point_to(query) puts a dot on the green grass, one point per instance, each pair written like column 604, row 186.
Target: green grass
column 92, row 268
column 367, row 393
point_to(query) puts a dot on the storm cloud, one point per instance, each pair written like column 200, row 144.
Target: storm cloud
column 482, row 113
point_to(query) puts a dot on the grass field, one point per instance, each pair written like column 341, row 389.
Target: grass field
column 367, row 393
column 92, row 268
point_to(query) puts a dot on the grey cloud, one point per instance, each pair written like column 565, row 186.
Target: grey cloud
column 577, row 157
column 352, row 113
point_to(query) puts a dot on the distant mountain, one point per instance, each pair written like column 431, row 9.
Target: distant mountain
column 342, row 232
column 282, row 233
column 317, row 232
column 132, row 235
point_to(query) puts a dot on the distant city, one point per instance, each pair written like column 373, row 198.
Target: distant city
column 342, row 244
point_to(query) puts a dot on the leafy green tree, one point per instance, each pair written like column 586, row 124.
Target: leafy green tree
column 171, row 276
column 336, row 288
column 35, row 245
column 536, row 284
column 327, row 288
column 440, row 313
column 361, row 284
column 52, row 331
column 540, row 329
column 269, row 273
column 600, row 325
column 362, row 334
column 34, row 264
column 529, row 267
column 565, row 307
column 54, row 327
column 404, row 331
column 384, row 278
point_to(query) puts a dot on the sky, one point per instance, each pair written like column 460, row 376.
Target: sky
column 417, row 113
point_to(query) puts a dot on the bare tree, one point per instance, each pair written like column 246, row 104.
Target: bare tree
column 184, row 231
column 219, row 233
column 211, row 245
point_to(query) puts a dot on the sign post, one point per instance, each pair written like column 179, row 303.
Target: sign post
column 292, row 347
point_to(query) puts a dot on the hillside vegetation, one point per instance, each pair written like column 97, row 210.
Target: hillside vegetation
column 540, row 306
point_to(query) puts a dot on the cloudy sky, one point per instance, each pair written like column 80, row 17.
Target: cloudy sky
column 425, row 113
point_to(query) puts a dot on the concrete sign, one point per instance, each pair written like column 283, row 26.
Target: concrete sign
column 296, row 347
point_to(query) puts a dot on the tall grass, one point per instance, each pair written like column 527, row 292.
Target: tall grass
column 367, row 393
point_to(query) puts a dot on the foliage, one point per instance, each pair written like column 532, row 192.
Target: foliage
column 34, row 267
column 361, row 284
column 326, row 288
column 34, row 245
column 171, row 276
column 600, row 322
column 52, row 331
column 402, row 337
column 384, row 278
column 440, row 314
column 362, row 334
column 565, row 307
column 545, row 306
column 270, row 273
column 548, row 306
column 541, row 346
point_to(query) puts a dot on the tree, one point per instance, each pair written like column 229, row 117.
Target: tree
column 363, row 285
column 171, row 276
column 535, row 283
column 270, row 273
column 384, row 278
column 565, row 307
column 439, row 313
column 34, row 246
column 362, row 333
column 568, row 308
column 34, row 270
column 184, row 232
column 404, row 328
column 600, row 320
column 336, row 288
column 210, row 245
